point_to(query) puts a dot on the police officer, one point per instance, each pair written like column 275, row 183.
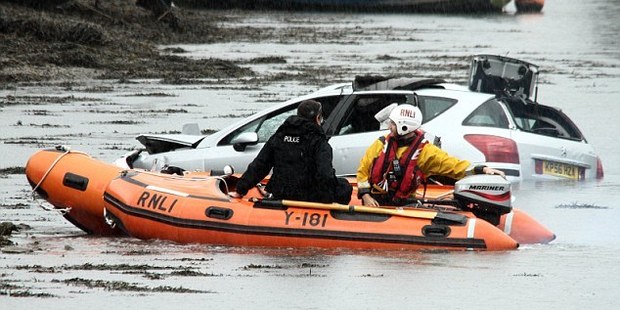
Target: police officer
column 395, row 164
column 301, row 160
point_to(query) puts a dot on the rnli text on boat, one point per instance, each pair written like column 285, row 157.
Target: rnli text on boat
column 155, row 201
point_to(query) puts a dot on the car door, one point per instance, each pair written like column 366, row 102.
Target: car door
column 241, row 155
column 265, row 126
column 475, row 129
column 355, row 128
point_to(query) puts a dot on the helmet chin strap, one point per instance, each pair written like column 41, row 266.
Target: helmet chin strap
column 405, row 139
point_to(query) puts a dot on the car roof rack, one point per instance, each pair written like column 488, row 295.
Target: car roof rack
column 374, row 82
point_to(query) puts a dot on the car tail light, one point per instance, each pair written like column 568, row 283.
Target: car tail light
column 599, row 168
column 494, row 148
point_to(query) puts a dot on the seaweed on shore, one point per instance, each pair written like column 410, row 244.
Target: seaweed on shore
column 117, row 40
column 125, row 286
column 13, row 170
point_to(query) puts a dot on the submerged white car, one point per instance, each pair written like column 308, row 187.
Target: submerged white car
column 494, row 122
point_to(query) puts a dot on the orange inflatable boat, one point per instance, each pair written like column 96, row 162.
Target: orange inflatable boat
column 525, row 6
column 517, row 224
column 195, row 209
column 74, row 182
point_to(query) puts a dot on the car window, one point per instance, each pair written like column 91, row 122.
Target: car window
column 270, row 124
column 328, row 104
column 543, row 120
column 431, row 107
column 361, row 118
column 489, row 114
column 266, row 126
column 361, row 115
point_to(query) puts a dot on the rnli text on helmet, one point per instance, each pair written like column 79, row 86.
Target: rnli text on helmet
column 407, row 113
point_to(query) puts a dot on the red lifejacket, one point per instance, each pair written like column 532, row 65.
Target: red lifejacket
column 410, row 175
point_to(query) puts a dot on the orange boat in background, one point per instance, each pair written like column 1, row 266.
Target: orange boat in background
column 195, row 209
column 73, row 182
column 517, row 224
column 529, row 5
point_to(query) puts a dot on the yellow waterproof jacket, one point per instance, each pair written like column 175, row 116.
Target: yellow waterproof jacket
column 431, row 161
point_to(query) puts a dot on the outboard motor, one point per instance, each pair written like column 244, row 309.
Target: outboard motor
column 486, row 196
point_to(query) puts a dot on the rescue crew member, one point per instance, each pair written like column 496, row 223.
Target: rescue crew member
column 301, row 160
column 395, row 164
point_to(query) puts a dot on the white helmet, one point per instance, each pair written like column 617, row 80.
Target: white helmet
column 407, row 118
column 384, row 114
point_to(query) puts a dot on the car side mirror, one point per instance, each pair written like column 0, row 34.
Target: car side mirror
column 227, row 171
column 243, row 140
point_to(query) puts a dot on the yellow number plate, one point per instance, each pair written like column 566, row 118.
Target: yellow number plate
column 560, row 169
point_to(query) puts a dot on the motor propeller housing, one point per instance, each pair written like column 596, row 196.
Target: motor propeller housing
column 487, row 196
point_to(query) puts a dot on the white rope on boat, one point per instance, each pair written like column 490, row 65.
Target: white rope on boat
column 471, row 230
column 66, row 150
column 221, row 178
column 419, row 204
column 508, row 223
column 187, row 177
column 448, row 193
column 167, row 191
column 62, row 211
column 108, row 220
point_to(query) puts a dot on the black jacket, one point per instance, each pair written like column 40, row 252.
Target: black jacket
column 301, row 160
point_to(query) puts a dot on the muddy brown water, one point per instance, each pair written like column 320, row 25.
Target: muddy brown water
column 54, row 265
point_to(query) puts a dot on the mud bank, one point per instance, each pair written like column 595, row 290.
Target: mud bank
column 114, row 40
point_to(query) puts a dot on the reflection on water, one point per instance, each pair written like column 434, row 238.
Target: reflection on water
column 606, row 11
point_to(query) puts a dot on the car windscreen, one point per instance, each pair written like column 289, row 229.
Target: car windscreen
column 267, row 125
column 360, row 116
